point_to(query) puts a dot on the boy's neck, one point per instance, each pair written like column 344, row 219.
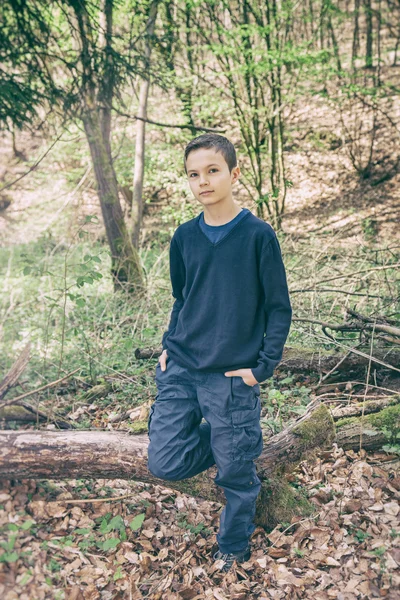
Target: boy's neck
column 219, row 215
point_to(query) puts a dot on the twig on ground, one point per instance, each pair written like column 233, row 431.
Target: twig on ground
column 40, row 389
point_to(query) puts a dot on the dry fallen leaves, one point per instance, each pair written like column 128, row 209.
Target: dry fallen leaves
column 351, row 549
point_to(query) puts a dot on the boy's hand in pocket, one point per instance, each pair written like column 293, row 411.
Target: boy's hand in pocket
column 245, row 374
column 163, row 360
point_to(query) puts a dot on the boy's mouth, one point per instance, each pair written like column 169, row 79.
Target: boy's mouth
column 206, row 192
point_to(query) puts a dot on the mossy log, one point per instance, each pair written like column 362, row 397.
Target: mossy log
column 24, row 413
column 114, row 455
column 17, row 413
column 372, row 430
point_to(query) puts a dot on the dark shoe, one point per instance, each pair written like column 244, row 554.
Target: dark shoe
column 229, row 558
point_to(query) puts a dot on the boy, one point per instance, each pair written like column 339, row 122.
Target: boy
column 227, row 330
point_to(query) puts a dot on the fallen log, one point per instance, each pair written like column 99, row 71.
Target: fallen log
column 304, row 360
column 369, row 431
column 115, row 455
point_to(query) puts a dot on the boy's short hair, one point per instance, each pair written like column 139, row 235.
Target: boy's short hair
column 216, row 141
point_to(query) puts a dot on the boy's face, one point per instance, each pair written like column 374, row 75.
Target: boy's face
column 208, row 171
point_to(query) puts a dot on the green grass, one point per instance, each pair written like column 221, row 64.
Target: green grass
column 100, row 335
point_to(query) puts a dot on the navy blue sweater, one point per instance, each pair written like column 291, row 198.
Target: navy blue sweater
column 232, row 308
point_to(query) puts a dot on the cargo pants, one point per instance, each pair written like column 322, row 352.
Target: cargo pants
column 181, row 445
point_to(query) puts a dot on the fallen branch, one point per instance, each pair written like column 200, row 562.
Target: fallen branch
column 17, row 399
column 345, row 275
column 371, row 406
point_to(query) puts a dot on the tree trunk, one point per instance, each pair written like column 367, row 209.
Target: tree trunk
column 103, row 454
column 137, row 197
column 369, row 32
column 125, row 264
column 96, row 95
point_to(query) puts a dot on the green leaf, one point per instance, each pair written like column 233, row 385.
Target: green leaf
column 103, row 526
column 118, row 574
column 111, row 543
column 136, row 523
column 116, row 523
column 26, row 270
column 392, row 449
column 83, row 531
column 27, row 525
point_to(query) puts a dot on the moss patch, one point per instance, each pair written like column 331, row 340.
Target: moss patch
column 138, row 427
column 278, row 502
column 387, row 421
column 198, row 486
column 97, row 391
column 317, row 430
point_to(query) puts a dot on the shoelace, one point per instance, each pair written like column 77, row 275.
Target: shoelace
column 227, row 558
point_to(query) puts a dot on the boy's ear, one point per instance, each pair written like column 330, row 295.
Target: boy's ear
column 235, row 174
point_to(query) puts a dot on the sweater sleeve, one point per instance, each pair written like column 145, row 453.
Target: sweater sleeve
column 177, row 274
column 278, row 310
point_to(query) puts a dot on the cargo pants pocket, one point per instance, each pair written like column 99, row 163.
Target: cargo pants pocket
column 149, row 420
column 247, row 440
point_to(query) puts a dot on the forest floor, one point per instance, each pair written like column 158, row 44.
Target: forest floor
column 158, row 543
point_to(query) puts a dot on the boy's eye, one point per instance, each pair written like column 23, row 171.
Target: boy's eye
column 213, row 169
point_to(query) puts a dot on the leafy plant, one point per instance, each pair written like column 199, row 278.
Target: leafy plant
column 10, row 555
column 361, row 536
column 115, row 524
column 195, row 529
column 392, row 448
column 54, row 566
